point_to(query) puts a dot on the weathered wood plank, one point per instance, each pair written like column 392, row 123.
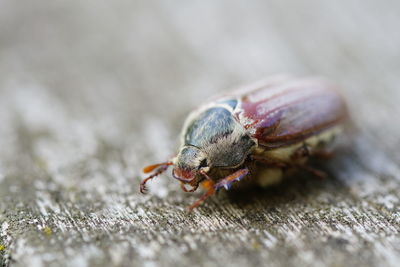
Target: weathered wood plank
column 91, row 91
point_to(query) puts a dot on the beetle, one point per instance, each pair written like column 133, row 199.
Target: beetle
column 258, row 131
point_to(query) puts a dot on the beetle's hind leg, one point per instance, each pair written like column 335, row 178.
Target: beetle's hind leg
column 226, row 183
column 305, row 152
column 313, row 171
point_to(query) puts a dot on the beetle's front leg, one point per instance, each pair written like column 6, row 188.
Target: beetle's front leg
column 213, row 187
column 209, row 185
column 162, row 167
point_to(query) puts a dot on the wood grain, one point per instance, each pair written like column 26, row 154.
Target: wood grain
column 92, row 91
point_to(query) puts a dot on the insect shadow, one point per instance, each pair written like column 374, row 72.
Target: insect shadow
column 298, row 187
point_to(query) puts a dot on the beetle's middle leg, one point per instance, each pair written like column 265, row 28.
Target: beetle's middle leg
column 226, row 183
column 287, row 165
column 305, row 151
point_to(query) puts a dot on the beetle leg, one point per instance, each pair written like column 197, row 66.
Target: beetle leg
column 271, row 162
column 322, row 154
column 210, row 191
column 313, row 171
column 225, row 183
column 301, row 152
column 228, row 181
column 162, row 168
column 286, row 165
column 304, row 151
column 205, row 175
column 208, row 184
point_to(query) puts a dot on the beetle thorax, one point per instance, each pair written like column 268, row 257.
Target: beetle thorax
column 220, row 140
column 229, row 151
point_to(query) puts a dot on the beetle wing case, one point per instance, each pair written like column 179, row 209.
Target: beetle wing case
column 287, row 110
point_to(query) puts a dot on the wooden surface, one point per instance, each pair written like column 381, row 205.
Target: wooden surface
column 91, row 91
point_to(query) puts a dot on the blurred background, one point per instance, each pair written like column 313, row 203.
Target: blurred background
column 91, row 91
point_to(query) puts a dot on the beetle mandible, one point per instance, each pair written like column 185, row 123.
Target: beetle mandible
column 277, row 123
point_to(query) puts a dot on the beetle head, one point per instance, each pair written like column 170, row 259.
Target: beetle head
column 188, row 164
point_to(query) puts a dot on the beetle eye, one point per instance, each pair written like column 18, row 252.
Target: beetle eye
column 203, row 163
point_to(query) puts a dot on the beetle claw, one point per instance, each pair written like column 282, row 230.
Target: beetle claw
column 143, row 188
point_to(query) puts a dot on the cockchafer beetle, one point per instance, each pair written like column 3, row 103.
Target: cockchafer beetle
column 274, row 125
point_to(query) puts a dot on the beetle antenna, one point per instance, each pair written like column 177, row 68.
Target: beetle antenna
column 162, row 168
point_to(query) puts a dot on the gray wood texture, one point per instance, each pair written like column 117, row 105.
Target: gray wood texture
column 92, row 91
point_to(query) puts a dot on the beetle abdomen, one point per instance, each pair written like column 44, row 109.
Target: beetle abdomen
column 315, row 143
